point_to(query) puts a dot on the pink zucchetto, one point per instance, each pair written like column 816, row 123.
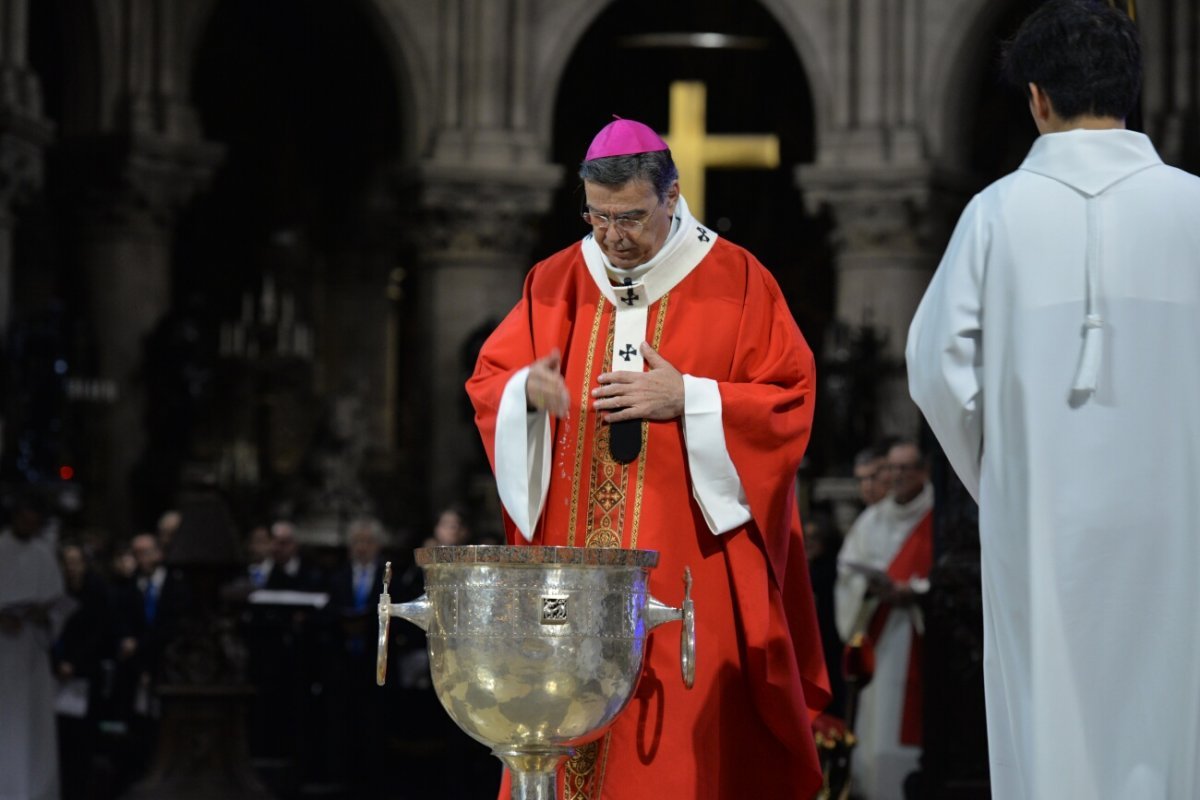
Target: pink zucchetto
column 624, row 137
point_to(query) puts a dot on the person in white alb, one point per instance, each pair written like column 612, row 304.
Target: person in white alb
column 887, row 552
column 1056, row 355
column 32, row 613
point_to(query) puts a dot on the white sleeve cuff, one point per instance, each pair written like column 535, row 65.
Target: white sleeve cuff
column 715, row 483
column 522, row 456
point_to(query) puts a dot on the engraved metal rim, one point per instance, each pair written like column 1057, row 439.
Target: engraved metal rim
column 535, row 555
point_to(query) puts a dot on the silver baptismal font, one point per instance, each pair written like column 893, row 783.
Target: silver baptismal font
column 533, row 650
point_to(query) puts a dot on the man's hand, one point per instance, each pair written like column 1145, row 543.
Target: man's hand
column 656, row 394
column 903, row 596
column 888, row 591
column 545, row 389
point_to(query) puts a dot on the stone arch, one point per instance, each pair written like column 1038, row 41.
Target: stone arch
column 300, row 215
column 563, row 29
column 412, row 57
column 73, row 94
column 111, row 48
column 570, row 22
column 316, row 54
column 802, row 32
column 958, row 60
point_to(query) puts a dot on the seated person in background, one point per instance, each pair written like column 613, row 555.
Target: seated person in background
column 258, row 556
column 147, row 619
column 76, row 656
column 451, row 529
column 287, row 568
column 353, row 594
column 355, row 587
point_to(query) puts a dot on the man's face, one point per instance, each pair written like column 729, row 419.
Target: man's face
column 74, row 564
column 872, row 481
column 363, row 547
column 146, row 553
column 124, row 564
column 907, row 471
column 284, row 539
column 647, row 220
column 260, row 544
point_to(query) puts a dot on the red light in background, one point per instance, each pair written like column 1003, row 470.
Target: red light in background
column 66, row 472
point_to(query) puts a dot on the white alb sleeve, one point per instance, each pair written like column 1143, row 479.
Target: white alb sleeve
column 522, row 456
column 944, row 352
column 715, row 483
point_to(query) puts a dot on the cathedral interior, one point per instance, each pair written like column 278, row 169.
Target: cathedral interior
column 250, row 250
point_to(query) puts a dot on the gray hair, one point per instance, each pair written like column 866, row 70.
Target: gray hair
column 367, row 525
column 656, row 167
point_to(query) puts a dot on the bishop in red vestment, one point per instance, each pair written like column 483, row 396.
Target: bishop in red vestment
column 651, row 390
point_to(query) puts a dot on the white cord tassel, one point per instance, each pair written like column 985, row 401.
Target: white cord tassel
column 1087, row 374
column 1089, row 360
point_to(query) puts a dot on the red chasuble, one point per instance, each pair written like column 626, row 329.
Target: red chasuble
column 745, row 729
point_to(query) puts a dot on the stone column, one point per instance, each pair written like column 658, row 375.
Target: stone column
column 24, row 134
column 891, row 225
column 354, row 313
column 475, row 231
column 130, row 188
column 1171, row 89
column 23, row 138
column 875, row 174
column 478, row 190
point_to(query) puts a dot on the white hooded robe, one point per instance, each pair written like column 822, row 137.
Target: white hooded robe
column 1056, row 355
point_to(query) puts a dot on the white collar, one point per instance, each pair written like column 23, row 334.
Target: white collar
column 905, row 515
column 686, row 247
column 1091, row 161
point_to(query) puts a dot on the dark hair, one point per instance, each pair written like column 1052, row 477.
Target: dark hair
column 866, row 456
column 913, row 443
column 657, row 167
column 883, row 445
column 1084, row 54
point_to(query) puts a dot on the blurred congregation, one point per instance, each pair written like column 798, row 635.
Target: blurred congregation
column 272, row 639
column 279, row 636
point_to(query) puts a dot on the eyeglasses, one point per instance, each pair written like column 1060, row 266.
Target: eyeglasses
column 623, row 223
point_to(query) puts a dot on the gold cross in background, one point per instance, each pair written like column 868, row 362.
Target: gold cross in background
column 694, row 149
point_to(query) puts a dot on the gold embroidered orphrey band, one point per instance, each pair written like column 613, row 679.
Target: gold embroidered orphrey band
column 583, row 775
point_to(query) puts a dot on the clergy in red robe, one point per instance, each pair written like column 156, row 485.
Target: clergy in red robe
column 651, row 390
column 883, row 568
